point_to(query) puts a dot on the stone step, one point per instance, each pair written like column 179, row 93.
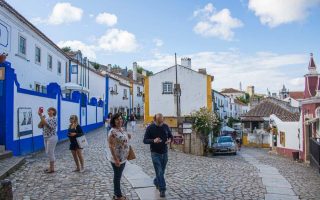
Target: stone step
column 5, row 154
column 9, row 165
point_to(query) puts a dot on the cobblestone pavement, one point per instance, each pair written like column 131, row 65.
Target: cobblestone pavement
column 226, row 177
column 188, row 176
column 30, row 182
column 194, row 177
column 304, row 179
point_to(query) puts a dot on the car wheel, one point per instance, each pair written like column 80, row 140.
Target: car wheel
column 235, row 153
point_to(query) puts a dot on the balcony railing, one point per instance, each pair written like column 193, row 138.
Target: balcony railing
column 315, row 153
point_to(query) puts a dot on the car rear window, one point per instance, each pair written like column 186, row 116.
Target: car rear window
column 225, row 139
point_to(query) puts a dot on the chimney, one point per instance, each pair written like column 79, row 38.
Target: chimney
column 109, row 67
column 202, row 71
column 134, row 71
column 186, row 62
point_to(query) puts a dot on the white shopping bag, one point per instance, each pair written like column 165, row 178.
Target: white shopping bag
column 82, row 142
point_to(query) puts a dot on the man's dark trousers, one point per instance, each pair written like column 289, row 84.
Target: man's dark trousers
column 160, row 162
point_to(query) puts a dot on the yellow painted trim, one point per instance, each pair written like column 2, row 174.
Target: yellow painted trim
column 146, row 101
column 209, row 93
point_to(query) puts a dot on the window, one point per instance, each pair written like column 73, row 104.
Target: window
column 38, row 55
column 125, row 93
column 44, row 89
column 115, row 88
column 22, row 45
column 37, row 87
column 50, row 62
column 318, row 112
column 74, row 69
column 167, row 88
column 59, row 67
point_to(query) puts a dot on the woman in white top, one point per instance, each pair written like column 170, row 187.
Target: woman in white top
column 119, row 148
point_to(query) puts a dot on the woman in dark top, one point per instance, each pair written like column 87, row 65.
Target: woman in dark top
column 75, row 131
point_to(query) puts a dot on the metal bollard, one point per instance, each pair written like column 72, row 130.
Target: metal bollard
column 6, row 190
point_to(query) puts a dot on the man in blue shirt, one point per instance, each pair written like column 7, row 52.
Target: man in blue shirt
column 158, row 135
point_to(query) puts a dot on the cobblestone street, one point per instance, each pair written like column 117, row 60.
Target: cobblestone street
column 188, row 176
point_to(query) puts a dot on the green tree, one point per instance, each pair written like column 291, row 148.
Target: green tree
column 96, row 65
column 66, row 49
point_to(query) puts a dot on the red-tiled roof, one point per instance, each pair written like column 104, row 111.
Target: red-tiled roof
column 267, row 108
column 231, row 90
column 239, row 102
column 297, row 95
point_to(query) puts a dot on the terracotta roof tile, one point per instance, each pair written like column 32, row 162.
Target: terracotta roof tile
column 297, row 95
column 267, row 108
column 230, row 90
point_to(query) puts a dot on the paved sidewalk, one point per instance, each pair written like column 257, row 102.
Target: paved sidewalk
column 30, row 182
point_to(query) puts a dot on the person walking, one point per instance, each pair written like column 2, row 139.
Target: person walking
column 158, row 135
column 119, row 151
column 75, row 131
column 125, row 121
column 133, row 121
column 107, row 123
column 49, row 126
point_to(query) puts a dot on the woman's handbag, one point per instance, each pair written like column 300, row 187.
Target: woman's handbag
column 131, row 155
column 82, row 141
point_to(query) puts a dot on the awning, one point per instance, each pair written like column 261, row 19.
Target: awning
column 251, row 119
column 68, row 87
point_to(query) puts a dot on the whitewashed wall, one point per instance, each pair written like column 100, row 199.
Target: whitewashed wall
column 27, row 70
column 91, row 114
column 193, row 89
column 138, row 100
column 99, row 114
column 68, row 109
column 116, row 100
column 34, row 102
column 159, row 102
column 97, row 86
column 291, row 133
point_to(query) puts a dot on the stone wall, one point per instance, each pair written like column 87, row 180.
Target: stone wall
column 191, row 144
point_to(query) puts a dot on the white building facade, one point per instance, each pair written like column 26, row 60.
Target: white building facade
column 160, row 95
column 35, row 58
column 119, row 94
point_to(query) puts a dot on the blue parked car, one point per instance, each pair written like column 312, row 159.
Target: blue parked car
column 224, row 145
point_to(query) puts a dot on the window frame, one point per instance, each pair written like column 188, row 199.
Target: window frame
column 49, row 68
column 35, row 55
column 59, row 62
column 19, row 44
column 165, row 87
column 35, row 87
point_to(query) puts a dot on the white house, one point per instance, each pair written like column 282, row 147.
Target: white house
column 137, row 89
column 119, row 93
column 232, row 92
column 36, row 59
column 220, row 104
column 287, row 134
column 174, row 91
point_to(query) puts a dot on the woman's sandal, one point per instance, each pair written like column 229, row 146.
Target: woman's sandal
column 76, row 170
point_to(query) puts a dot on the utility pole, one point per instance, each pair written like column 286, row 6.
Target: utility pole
column 177, row 89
